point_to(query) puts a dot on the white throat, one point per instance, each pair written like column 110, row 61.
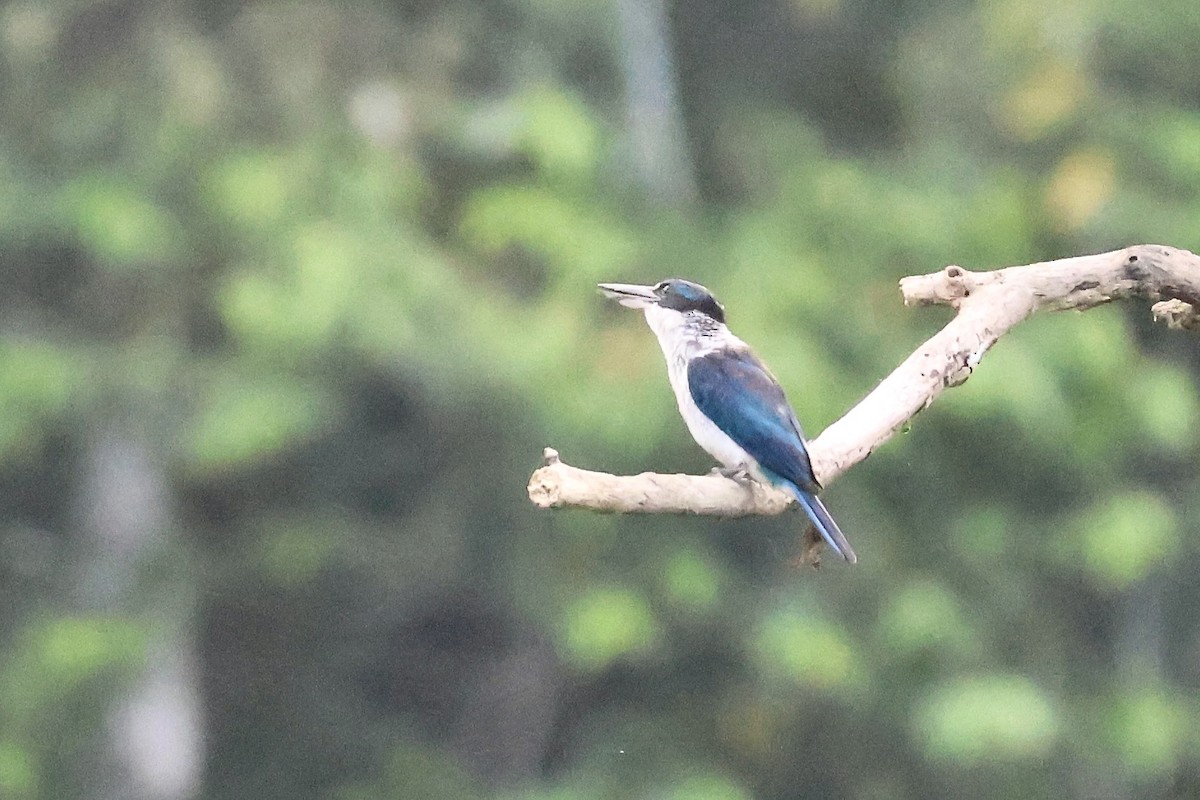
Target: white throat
column 682, row 337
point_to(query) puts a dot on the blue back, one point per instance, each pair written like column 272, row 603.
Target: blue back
column 735, row 390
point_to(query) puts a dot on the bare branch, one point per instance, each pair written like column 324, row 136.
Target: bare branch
column 989, row 304
column 558, row 485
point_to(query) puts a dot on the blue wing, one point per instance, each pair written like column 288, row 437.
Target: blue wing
column 735, row 390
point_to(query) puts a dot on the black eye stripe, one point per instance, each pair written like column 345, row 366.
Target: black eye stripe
column 681, row 295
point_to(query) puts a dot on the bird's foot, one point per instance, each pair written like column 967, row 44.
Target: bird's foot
column 739, row 475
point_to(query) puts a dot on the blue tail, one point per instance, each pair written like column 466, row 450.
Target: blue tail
column 828, row 529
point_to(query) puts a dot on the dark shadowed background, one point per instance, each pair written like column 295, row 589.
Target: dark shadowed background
column 293, row 294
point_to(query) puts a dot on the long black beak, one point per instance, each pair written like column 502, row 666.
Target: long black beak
column 629, row 295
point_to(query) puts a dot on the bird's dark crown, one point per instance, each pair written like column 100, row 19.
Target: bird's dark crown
column 683, row 296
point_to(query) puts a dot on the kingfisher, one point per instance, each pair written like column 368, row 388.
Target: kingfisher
column 733, row 406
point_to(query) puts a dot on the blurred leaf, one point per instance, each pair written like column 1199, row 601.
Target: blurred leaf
column 984, row 532
column 987, row 718
column 310, row 298
column 1151, row 730
column 691, row 580
column 38, row 382
column 559, row 133
column 1168, row 405
column 924, row 615
column 70, row 649
column 18, row 772
column 293, row 550
column 253, row 189
column 1095, row 348
column 1176, row 137
column 1047, row 98
column 1014, row 380
column 604, row 624
column 427, row 772
column 1080, row 186
column 707, row 787
column 805, row 650
column 56, row 656
column 120, row 226
column 576, row 241
column 244, row 418
column 1122, row 538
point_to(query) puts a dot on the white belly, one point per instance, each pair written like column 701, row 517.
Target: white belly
column 679, row 345
column 703, row 430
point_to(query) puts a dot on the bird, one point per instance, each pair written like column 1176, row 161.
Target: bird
column 731, row 403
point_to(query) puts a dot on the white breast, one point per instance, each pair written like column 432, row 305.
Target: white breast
column 681, row 341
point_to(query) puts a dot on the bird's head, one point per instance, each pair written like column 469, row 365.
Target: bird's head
column 673, row 294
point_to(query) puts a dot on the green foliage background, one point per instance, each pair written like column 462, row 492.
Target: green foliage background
column 294, row 294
